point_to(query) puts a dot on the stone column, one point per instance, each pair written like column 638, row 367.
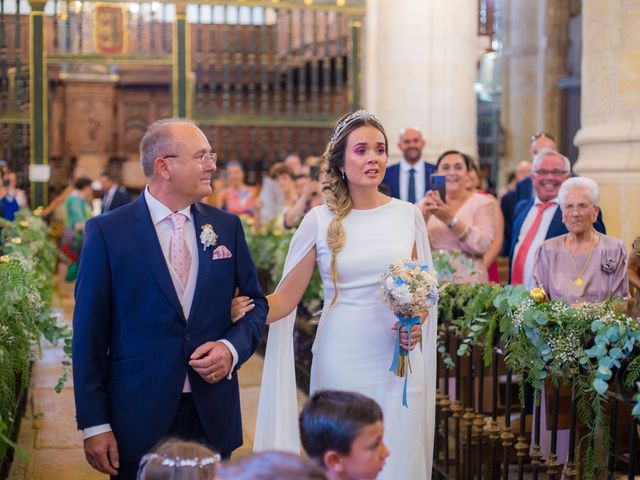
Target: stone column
column 181, row 63
column 533, row 60
column 420, row 69
column 609, row 140
column 38, row 111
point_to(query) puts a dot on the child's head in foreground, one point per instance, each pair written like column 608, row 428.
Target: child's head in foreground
column 270, row 466
column 176, row 459
column 343, row 433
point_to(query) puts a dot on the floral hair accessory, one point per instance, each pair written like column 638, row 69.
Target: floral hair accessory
column 608, row 265
column 342, row 126
column 208, row 237
column 177, row 462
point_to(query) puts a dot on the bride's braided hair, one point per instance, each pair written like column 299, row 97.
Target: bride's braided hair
column 335, row 188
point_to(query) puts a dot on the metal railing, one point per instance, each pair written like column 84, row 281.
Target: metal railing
column 485, row 431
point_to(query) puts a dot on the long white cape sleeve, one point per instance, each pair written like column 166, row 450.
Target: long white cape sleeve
column 277, row 420
column 429, row 345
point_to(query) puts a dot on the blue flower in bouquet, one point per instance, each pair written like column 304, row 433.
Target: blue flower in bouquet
column 399, row 282
column 410, row 265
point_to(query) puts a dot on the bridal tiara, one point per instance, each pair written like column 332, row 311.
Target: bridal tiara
column 342, row 126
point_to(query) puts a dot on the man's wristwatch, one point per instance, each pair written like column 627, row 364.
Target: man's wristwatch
column 453, row 222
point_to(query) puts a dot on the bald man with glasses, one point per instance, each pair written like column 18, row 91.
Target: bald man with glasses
column 155, row 352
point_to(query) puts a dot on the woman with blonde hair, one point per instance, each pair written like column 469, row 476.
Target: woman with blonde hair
column 353, row 238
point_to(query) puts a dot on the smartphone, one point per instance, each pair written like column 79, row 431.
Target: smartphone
column 314, row 173
column 438, row 184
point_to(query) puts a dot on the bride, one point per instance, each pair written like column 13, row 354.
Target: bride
column 353, row 238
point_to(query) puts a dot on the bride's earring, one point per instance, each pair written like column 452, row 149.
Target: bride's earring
column 344, row 177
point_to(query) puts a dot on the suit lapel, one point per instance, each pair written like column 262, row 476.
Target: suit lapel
column 149, row 245
column 201, row 218
column 556, row 227
column 427, row 178
column 394, row 184
column 521, row 210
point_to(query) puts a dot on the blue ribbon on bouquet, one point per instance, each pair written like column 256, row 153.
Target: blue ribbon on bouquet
column 407, row 323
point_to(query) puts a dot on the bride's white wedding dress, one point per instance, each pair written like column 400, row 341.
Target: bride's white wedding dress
column 354, row 343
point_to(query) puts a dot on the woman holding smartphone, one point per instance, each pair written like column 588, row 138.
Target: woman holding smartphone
column 463, row 221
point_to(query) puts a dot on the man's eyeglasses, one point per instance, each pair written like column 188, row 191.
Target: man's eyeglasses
column 204, row 160
column 555, row 173
column 536, row 136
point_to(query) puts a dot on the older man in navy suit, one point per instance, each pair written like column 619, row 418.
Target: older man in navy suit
column 155, row 352
column 540, row 218
column 408, row 180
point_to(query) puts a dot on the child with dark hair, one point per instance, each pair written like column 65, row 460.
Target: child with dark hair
column 343, row 433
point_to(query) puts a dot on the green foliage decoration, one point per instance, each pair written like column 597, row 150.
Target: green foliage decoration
column 27, row 264
column 269, row 251
column 551, row 342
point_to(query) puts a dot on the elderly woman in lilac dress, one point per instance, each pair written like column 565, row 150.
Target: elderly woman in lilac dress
column 583, row 265
column 580, row 266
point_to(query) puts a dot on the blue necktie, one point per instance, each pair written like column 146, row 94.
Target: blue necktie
column 411, row 196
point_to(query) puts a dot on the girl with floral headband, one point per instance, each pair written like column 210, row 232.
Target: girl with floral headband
column 353, row 238
column 179, row 460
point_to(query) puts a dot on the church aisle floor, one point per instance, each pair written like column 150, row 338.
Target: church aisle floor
column 48, row 430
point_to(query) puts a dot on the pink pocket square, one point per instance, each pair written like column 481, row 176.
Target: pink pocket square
column 221, row 252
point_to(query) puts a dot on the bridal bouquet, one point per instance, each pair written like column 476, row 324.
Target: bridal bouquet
column 409, row 288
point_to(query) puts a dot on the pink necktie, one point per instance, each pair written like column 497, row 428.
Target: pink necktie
column 179, row 255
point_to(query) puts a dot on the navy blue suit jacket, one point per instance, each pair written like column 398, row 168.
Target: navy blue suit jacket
column 524, row 189
column 392, row 179
column 556, row 227
column 120, row 197
column 131, row 342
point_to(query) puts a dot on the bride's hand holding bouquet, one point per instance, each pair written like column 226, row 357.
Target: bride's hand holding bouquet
column 409, row 289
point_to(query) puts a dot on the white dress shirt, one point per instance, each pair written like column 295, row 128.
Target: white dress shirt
column 541, row 234
column 164, row 229
column 421, row 188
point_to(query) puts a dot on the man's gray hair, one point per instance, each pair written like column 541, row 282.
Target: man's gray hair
column 158, row 141
column 580, row 182
column 549, row 152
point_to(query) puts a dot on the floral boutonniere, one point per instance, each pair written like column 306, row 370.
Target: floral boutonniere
column 608, row 265
column 208, row 237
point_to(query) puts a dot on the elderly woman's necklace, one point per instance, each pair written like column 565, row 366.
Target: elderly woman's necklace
column 578, row 281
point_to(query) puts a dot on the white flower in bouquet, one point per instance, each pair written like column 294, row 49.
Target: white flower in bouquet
column 409, row 287
column 208, row 237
